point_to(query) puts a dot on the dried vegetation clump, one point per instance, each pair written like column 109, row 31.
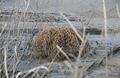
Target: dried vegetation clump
column 45, row 41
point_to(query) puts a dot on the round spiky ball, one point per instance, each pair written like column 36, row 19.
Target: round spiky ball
column 45, row 41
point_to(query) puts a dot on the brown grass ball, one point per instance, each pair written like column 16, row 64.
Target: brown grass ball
column 45, row 41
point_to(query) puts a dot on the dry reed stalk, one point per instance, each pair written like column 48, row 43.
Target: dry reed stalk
column 118, row 11
column 5, row 63
column 105, row 34
column 35, row 69
column 3, row 28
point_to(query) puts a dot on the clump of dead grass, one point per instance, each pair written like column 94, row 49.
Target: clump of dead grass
column 45, row 41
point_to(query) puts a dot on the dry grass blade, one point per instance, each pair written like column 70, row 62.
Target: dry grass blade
column 5, row 63
column 18, row 74
column 27, row 3
column 105, row 34
column 16, row 61
column 84, row 31
column 3, row 28
column 85, row 68
column 74, row 29
column 118, row 11
column 60, row 49
column 35, row 69
column 16, row 55
column 82, row 47
column 105, row 19
column 50, row 64
column 78, row 58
